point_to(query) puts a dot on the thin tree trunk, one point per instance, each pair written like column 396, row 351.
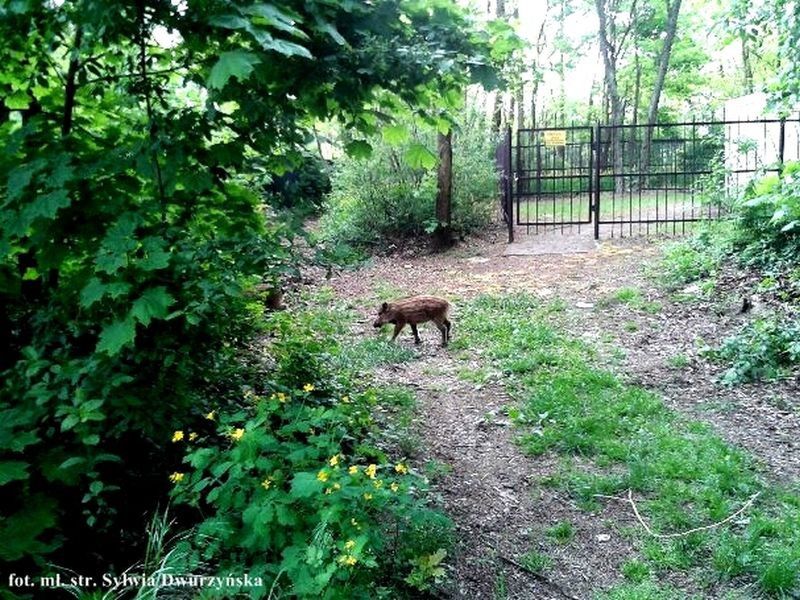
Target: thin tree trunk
column 497, row 112
column 661, row 73
column 444, row 190
column 747, row 66
column 610, row 63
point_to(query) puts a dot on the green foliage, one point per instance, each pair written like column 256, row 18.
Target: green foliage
column 302, row 189
column 392, row 193
column 767, row 225
column 764, row 349
column 130, row 228
column 694, row 259
column 296, row 485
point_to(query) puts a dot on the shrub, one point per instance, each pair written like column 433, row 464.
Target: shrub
column 297, row 489
column 768, row 219
column 384, row 195
column 763, row 349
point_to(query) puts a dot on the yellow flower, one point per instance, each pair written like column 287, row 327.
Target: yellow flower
column 281, row 397
column 176, row 477
column 308, row 388
column 401, row 468
column 237, row 434
column 177, row 436
column 370, row 471
column 334, row 460
column 192, row 436
column 346, row 399
column 353, row 522
column 328, row 491
column 349, row 545
column 367, row 496
column 266, row 483
column 353, row 470
column 323, row 476
column 348, row 560
column 210, row 416
column 378, row 484
column 394, row 487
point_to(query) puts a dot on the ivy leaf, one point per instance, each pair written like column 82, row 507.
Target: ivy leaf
column 152, row 304
column 358, row 149
column 419, row 157
column 237, row 64
column 116, row 335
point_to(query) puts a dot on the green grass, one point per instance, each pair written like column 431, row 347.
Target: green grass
column 561, row 533
column 633, row 298
column 678, row 361
column 536, row 562
column 613, row 437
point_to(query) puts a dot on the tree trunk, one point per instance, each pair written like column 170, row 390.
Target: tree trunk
column 747, row 66
column 661, row 73
column 497, row 112
column 610, row 63
column 444, row 190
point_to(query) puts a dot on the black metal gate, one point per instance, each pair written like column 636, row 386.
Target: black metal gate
column 636, row 179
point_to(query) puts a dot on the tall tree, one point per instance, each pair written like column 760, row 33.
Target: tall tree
column 673, row 9
column 444, row 189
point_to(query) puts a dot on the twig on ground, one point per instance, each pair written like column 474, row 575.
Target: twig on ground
column 538, row 576
column 663, row 536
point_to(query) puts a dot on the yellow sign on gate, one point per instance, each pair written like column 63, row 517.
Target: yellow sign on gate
column 557, row 137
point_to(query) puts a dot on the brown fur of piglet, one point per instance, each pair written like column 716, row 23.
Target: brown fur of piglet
column 413, row 311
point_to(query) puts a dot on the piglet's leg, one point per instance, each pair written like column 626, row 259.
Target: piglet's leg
column 416, row 335
column 443, row 329
column 398, row 327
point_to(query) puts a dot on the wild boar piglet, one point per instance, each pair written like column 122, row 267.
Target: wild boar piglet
column 413, row 311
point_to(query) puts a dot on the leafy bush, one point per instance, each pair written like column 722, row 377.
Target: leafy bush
column 393, row 191
column 763, row 349
column 768, row 219
column 299, row 491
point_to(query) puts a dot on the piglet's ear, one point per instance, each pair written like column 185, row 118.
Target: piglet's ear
column 384, row 306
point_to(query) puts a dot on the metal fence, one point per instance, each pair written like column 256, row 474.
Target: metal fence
column 636, row 179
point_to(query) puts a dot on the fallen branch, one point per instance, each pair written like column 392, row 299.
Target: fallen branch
column 663, row 536
column 538, row 576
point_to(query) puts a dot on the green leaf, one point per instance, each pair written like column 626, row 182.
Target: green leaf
column 155, row 257
column 19, row 100
column 92, row 292
column 116, row 335
column 287, row 48
column 395, row 134
column 331, row 30
column 419, row 157
column 12, row 470
column 152, row 304
column 237, row 64
column 305, row 485
column 358, row 149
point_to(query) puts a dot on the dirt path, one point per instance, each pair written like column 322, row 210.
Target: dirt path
column 491, row 489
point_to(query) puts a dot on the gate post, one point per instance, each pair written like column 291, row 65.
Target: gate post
column 781, row 146
column 596, row 175
column 509, row 191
